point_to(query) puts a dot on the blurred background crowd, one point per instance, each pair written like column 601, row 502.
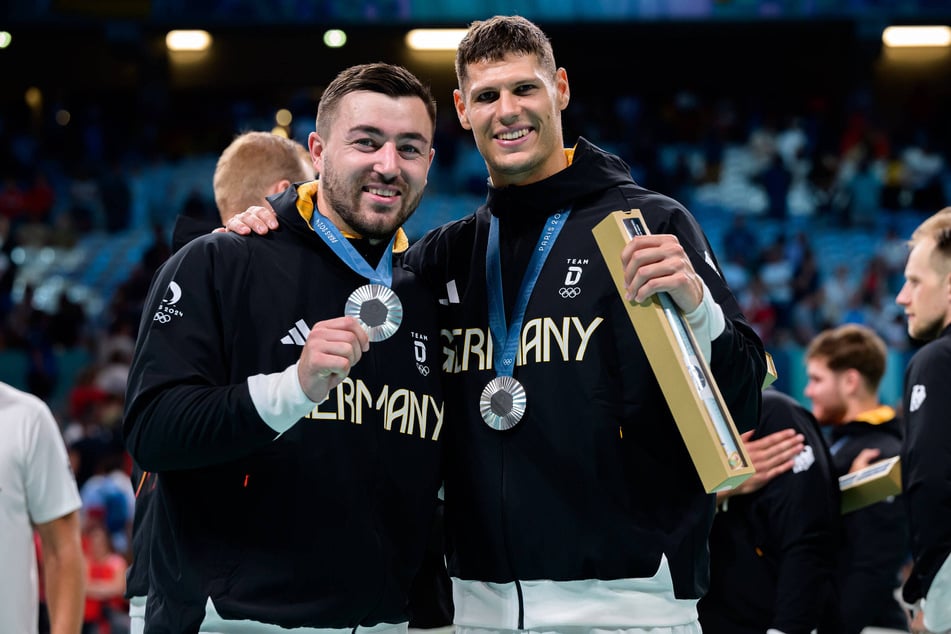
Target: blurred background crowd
column 806, row 149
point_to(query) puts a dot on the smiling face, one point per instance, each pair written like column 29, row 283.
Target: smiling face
column 373, row 162
column 926, row 293
column 513, row 107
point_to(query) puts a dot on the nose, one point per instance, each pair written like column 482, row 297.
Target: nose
column 902, row 298
column 387, row 161
column 509, row 107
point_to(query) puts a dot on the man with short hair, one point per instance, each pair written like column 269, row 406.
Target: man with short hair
column 926, row 450
column 845, row 366
column 286, row 392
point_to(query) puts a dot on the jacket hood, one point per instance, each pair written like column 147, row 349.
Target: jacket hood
column 590, row 170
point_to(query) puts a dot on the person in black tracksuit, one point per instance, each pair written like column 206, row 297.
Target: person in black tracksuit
column 597, row 428
column 926, row 450
column 253, row 166
column 295, row 488
column 773, row 550
column 589, row 511
column 845, row 366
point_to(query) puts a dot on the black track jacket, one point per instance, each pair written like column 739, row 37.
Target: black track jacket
column 595, row 482
column 773, row 550
column 926, row 462
column 324, row 525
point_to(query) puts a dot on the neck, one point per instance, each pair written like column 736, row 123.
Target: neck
column 859, row 406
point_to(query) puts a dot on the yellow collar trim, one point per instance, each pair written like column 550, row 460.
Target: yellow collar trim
column 307, row 194
column 570, row 154
column 877, row 416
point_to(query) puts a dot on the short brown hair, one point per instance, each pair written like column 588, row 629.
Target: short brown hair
column 491, row 40
column 938, row 228
column 252, row 164
column 851, row 346
column 386, row 79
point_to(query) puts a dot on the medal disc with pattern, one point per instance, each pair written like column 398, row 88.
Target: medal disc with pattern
column 378, row 310
column 502, row 403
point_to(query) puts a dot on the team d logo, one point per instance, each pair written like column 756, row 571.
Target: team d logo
column 918, row 396
column 571, row 289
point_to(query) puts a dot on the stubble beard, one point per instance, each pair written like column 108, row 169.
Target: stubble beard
column 346, row 201
column 928, row 331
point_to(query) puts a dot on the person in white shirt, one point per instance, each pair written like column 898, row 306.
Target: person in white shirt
column 37, row 489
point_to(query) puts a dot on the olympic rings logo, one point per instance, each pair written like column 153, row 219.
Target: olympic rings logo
column 423, row 369
column 162, row 318
column 569, row 292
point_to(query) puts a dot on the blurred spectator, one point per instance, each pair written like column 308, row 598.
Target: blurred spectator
column 67, row 324
column 893, row 252
column 108, row 498
column 776, row 272
column 105, row 611
column 864, row 193
column 776, row 181
column 740, row 243
column 922, row 174
column 759, row 309
column 837, row 291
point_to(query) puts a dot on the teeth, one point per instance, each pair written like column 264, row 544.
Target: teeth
column 382, row 192
column 511, row 136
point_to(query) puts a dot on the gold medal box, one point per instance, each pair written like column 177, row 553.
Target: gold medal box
column 684, row 376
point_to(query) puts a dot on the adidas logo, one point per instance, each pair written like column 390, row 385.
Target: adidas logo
column 298, row 334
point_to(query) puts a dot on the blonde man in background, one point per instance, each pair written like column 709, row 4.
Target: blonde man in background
column 256, row 165
column 926, row 451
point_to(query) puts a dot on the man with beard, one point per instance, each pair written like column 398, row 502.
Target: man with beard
column 571, row 501
column 845, row 366
column 926, row 451
column 286, row 392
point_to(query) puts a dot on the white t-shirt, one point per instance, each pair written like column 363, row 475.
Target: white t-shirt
column 36, row 486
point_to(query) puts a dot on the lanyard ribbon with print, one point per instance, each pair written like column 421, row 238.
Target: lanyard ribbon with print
column 375, row 306
column 503, row 400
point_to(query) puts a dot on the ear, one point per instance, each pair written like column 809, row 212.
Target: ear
column 460, row 103
column 852, row 380
column 562, row 89
column 278, row 187
column 316, row 146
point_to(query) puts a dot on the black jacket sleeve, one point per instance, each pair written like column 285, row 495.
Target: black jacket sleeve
column 185, row 407
column 801, row 509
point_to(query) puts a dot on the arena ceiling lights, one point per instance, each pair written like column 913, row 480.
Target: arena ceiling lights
column 434, row 39
column 183, row 40
column 916, row 36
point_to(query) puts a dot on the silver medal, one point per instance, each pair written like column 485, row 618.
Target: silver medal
column 378, row 310
column 502, row 403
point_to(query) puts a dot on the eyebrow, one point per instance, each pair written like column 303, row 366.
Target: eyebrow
column 375, row 131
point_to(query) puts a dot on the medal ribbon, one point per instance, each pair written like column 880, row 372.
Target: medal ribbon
column 504, row 352
column 329, row 233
